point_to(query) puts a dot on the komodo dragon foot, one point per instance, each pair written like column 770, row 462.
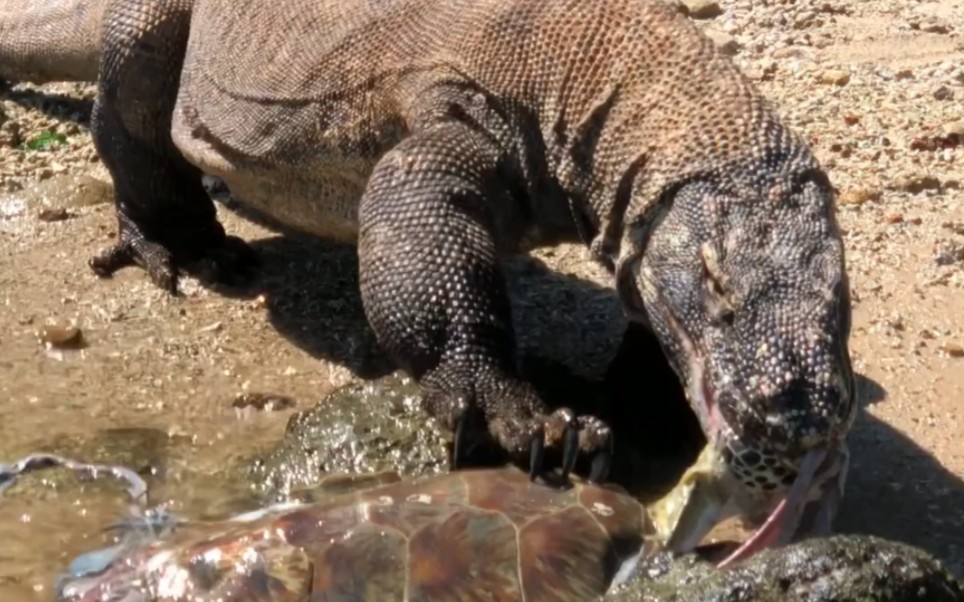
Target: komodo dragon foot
column 520, row 425
column 214, row 257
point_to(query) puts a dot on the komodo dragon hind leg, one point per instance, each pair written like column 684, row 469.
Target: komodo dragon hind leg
column 166, row 219
column 434, row 293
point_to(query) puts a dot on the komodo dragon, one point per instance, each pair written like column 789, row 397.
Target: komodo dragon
column 446, row 134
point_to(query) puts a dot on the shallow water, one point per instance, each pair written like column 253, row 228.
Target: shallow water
column 48, row 518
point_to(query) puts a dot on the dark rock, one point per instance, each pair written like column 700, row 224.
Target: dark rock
column 840, row 568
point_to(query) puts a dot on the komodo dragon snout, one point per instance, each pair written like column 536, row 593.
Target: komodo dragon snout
column 745, row 285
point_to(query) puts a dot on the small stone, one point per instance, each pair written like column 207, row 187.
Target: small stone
column 837, row 77
column 61, row 336
column 790, row 52
column 702, row 9
column 955, row 130
column 267, row 402
column 953, row 350
column 917, row 184
column 859, row 196
column 213, row 327
column 726, row 43
column 894, row 218
column 943, row 93
column 948, row 252
column 53, row 214
column 260, row 302
column 935, row 26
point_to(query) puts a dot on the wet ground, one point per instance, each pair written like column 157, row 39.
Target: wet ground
column 156, row 383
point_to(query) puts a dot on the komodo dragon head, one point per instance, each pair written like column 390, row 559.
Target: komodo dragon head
column 740, row 273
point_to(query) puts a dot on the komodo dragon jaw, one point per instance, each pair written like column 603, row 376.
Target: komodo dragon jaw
column 750, row 300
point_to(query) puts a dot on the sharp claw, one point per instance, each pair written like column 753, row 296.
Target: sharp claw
column 459, row 440
column 570, row 448
column 536, row 453
column 601, row 464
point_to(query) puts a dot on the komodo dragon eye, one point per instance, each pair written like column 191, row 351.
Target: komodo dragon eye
column 719, row 302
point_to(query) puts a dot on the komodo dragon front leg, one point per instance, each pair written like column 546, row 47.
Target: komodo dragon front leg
column 433, row 291
column 166, row 219
column 431, row 283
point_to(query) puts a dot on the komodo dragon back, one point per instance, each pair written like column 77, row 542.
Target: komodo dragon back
column 50, row 40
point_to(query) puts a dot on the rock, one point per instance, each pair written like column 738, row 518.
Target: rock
column 915, row 184
column 837, row 77
column 953, row 350
column 267, row 402
column 367, row 427
column 61, row 336
column 726, row 43
column 702, row 9
column 943, row 93
column 859, row 196
column 954, row 129
column 839, row 567
column 67, row 190
column 53, row 214
column 948, row 252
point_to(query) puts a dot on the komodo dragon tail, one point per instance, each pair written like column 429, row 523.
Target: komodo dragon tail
column 50, row 40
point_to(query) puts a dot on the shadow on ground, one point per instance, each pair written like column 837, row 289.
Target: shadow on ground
column 65, row 107
column 569, row 329
column 898, row 490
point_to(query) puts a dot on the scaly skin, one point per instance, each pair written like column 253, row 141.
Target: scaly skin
column 50, row 40
column 472, row 129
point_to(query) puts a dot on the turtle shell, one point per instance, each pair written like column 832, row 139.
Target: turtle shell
column 483, row 535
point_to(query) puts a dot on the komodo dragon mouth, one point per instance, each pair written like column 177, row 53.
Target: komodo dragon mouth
column 753, row 312
column 782, row 491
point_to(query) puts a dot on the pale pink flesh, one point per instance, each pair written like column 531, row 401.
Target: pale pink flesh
column 785, row 517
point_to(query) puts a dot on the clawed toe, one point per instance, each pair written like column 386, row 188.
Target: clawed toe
column 570, row 448
column 459, row 442
column 537, row 455
column 575, row 435
column 154, row 258
column 229, row 260
column 601, row 463
column 510, row 424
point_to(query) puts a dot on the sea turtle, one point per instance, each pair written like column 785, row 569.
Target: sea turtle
column 484, row 534
column 488, row 534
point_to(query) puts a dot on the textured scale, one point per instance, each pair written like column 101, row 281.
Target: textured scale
column 473, row 535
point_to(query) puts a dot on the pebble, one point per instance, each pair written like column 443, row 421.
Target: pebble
column 726, row 43
column 954, row 129
column 267, row 402
column 916, row 184
column 953, row 350
column 837, row 77
column 859, row 196
column 53, row 214
column 943, row 93
column 702, row 9
column 61, row 336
